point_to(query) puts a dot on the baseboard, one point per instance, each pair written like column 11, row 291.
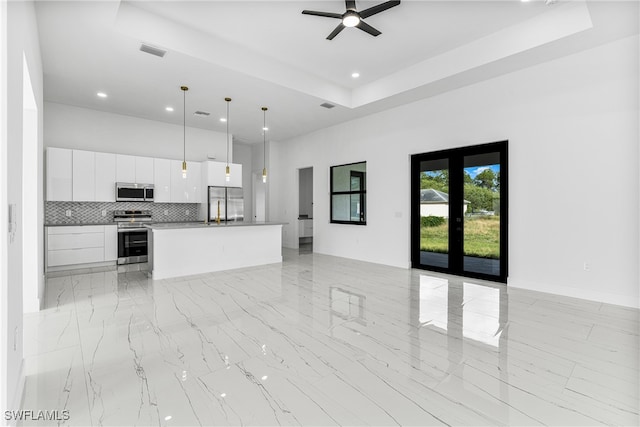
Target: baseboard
column 83, row 267
column 586, row 294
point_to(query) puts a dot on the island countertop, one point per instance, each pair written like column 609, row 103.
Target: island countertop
column 182, row 225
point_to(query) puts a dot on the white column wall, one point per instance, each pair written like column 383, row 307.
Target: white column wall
column 572, row 126
column 22, row 42
column 4, row 179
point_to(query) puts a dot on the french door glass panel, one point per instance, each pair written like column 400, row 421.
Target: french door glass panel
column 434, row 213
column 459, row 211
column 481, row 242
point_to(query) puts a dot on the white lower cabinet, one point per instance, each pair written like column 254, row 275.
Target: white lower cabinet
column 72, row 245
column 110, row 242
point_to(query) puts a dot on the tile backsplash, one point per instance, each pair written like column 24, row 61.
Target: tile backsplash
column 91, row 212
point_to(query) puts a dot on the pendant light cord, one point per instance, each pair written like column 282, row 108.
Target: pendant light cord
column 228, row 100
column 184, row 126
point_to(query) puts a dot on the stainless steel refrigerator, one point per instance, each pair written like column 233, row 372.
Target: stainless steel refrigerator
column 229, row 201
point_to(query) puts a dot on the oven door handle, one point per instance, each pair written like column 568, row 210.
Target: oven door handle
column 125, row 229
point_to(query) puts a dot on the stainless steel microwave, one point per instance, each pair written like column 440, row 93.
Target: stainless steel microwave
column 128, row 192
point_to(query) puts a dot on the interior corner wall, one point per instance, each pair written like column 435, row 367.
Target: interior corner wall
column 22, row 43
column 79, row 128
column 572, row 127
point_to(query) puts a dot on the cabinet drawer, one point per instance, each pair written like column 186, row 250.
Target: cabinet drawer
column 75, row 241
column 75, row 256
column 75, row 229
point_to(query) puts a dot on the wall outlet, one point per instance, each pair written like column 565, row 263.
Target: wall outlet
column 68, row 212
column 586, row 266
column 104, row 212
column 166, row 212
column 186, row 212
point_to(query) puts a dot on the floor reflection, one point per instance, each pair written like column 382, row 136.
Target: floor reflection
column 321, row 340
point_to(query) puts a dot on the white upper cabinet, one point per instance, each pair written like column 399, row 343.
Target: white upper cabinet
column 144, row 170
column 134, row 169
column 125, row 168
column 179, row 193
column 77, row 175
column 162, row 180
column 235, row 175
column 84, row 178
column 194, row 180
column 105, row 173
column 59, row 174
column 185, row 190
column 216, row 174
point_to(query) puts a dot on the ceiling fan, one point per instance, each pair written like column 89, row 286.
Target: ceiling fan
column 353, row 18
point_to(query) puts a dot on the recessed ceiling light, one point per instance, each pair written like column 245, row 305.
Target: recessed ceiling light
column 101, row 94
column 265, row 128
column 222, row 119
column 170, row 109
column 355, row 75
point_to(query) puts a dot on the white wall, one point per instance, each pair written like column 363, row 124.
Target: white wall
column 67, row 126
column 572, row 126
column 4, row 277
column 22, row 41
column 32, row 272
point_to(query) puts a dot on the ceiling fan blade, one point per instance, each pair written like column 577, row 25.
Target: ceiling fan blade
column 335, row 32
column 324, row 14
column 351, row 4
column 368, row 29
column 378, row 8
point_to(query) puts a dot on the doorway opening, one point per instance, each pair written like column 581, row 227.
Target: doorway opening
column 459, row 211
column 305, row 210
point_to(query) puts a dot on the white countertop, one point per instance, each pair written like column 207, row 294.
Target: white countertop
column 183, row 225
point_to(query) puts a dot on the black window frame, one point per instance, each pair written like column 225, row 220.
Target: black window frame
column 362, row 193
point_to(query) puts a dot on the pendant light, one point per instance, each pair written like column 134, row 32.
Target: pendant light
column 227, row 176
column 264, row 144
column 184, row 131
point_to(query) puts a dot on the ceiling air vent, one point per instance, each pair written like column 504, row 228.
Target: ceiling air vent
column 153, row 50
column 201, row 113
column 327, row 105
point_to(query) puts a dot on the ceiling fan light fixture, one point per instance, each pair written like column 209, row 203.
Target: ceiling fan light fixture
column 350, row 19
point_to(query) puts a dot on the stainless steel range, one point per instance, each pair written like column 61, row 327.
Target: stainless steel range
column 132, row 236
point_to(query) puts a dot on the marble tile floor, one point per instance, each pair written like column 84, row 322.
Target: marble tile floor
column 321, row 340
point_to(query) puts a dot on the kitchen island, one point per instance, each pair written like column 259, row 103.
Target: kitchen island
column 183, row 249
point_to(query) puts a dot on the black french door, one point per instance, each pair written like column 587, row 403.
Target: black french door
column 459, row 211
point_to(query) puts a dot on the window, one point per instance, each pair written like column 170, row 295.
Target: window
column 348, row 193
